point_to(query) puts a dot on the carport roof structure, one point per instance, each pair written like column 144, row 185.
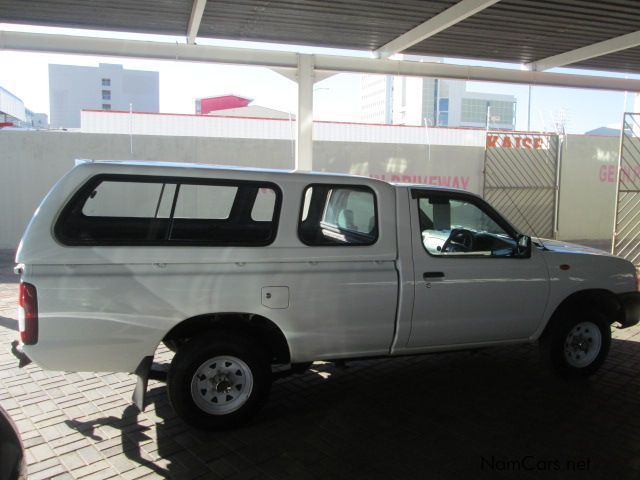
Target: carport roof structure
column 538, row 34
column 594, row 34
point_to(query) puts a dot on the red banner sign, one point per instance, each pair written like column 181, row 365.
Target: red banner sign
column 514, row 141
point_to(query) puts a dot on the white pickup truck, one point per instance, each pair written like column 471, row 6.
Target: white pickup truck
column 242, row 272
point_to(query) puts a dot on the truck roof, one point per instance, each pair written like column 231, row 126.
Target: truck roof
column 128, row 165
column 156, row 165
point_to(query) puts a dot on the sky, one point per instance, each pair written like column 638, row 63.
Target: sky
column 336, row 98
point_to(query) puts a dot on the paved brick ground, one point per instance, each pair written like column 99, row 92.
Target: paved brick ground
column 456, row 415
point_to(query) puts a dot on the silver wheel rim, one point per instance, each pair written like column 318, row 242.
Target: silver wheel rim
column 221, row 385
column 583, row 344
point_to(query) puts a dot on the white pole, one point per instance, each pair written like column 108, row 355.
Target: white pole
column 426, row 129
column 304, row 130
column 131, row 129
column 529, row 111
column 293, row 140
column 488, row 116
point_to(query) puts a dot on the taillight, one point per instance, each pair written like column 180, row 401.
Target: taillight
column 28, row 314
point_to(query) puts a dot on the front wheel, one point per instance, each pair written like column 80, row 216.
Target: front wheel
column 219, row 380
column 577, row 343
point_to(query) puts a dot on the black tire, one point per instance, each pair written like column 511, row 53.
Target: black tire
column 194, row 355
column 13, row 463
column 568, row 343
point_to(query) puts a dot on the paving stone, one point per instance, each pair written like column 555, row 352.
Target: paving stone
column 72, row 460
column 43, row 465
column 71, row 446
column 108, row 472
column 41, row 452
column 89, row 469
column 90, row 454
column 48, row 473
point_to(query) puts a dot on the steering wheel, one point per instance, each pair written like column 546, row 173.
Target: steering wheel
column 460, row 240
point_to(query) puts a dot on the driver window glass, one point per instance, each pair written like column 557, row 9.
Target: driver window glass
column 453, row 227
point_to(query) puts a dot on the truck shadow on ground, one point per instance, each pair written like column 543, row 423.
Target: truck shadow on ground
column 495, row 412
column 9, row 323
column 132, row 438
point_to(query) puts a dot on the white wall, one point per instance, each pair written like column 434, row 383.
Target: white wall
column 273, row 129
column 31, row 162
column 588, row 187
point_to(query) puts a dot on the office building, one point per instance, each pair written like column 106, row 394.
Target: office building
column 106, row 87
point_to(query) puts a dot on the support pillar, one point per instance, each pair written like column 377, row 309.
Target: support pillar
column 304, row 120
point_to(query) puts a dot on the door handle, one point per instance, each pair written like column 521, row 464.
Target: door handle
column 427, row 275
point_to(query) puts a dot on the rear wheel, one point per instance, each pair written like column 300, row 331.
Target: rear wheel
column 219, row 380
column 577, row 343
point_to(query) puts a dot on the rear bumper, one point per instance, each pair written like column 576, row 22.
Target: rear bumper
column 16, row 350
column 630, row 314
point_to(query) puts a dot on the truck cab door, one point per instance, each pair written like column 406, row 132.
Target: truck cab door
column 472, row 284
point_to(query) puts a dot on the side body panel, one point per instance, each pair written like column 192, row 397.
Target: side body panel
column 105, row 308
column 478, row 300
column 588, row 270
column 474, row 299
column 107, row 317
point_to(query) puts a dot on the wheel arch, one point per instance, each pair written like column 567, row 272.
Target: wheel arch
column 602, row 300
column 251, row 325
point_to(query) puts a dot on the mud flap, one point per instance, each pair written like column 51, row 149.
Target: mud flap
column 630, row 309
column 17, row 352
column 142, row 371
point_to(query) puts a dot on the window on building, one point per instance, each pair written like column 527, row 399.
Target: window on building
column 106, row 82
column 443, row 89
column 106, row 106
column 338, row 215
column 125, row 210
column 106, row 94
column 475, row 111
column 443, row 112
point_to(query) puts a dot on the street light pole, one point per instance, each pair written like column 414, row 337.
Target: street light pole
column 529, row 111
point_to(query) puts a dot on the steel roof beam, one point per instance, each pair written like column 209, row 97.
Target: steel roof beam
column 599, row 49
column 53, row 43
column 436, row 24
column 194, row 21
